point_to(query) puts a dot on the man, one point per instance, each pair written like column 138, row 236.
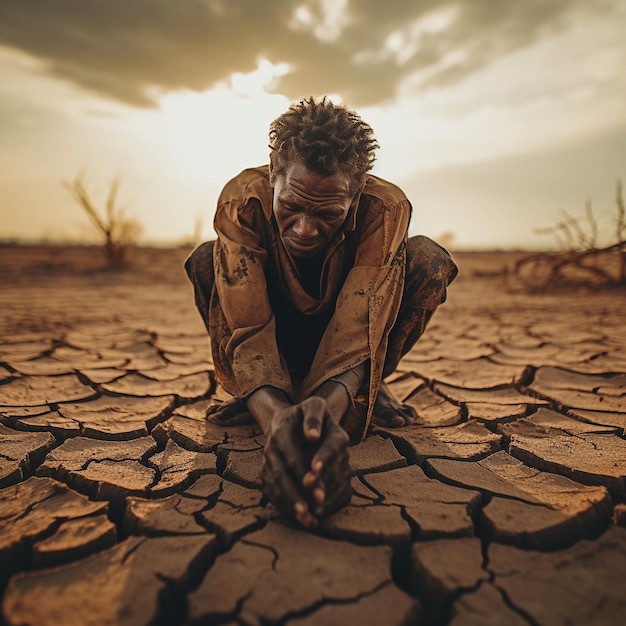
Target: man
column 311, row 294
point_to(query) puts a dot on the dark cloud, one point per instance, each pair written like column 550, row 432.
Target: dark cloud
column 124, row 48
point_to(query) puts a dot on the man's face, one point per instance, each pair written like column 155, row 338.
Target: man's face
column 309, row 209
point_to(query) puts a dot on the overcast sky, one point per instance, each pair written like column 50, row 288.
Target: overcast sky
column 493, row 115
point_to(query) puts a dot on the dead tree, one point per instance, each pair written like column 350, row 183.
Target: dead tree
column 581, row 258
column 116, row 229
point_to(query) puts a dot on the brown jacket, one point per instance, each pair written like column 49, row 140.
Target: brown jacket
column 362, row 278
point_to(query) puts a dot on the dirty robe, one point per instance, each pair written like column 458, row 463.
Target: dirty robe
column 353, row 307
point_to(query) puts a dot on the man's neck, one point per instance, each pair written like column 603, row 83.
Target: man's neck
column 310, row 272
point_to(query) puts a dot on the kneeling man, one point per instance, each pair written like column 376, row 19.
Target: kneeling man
column 311, row 294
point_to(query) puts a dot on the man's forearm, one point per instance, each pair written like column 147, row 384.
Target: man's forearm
column 264, row 403
column 340, row 390
column 338, row 393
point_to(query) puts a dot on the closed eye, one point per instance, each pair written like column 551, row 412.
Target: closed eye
column 330, row 215
column 288, row 206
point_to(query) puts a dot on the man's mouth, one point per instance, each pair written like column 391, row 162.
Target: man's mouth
column 304, row 247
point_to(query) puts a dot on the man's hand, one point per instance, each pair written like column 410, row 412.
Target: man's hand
column 305, row 471
column 329, row 475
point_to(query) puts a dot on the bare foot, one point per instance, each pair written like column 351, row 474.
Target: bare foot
column 389, row 411
column 233, row 412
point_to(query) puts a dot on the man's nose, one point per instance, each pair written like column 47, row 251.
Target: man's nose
column 305, row 228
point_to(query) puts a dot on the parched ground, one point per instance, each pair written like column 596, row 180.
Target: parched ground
column 121, row 504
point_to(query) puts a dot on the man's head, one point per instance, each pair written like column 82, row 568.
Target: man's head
column 327, row 138
column 320, row 154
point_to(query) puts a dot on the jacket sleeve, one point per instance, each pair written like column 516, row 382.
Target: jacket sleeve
column 241, row 321
column 368, row 303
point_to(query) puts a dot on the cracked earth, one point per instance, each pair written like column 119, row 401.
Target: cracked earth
column 120, row 504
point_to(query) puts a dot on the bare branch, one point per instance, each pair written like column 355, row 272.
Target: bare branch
column 117, row 230
column 582, row 258
column 77, row 189
column 592, row 239
column 110, row 201
column 576, row 232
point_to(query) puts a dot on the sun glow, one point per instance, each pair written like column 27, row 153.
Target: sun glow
column 174, row 158
column 213, row 134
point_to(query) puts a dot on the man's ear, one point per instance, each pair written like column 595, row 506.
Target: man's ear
column 354, row 205
column 272, row 175
column 350, row 221
column 357, row 194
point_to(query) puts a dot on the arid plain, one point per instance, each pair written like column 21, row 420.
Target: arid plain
column 121, row 504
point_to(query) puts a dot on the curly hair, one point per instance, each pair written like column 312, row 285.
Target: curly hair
column 328, row 137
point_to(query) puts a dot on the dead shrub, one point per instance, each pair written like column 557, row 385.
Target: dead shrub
column 117, row 230
column 581, row 260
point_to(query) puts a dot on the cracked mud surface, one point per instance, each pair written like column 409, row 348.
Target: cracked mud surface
column 120, row 504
